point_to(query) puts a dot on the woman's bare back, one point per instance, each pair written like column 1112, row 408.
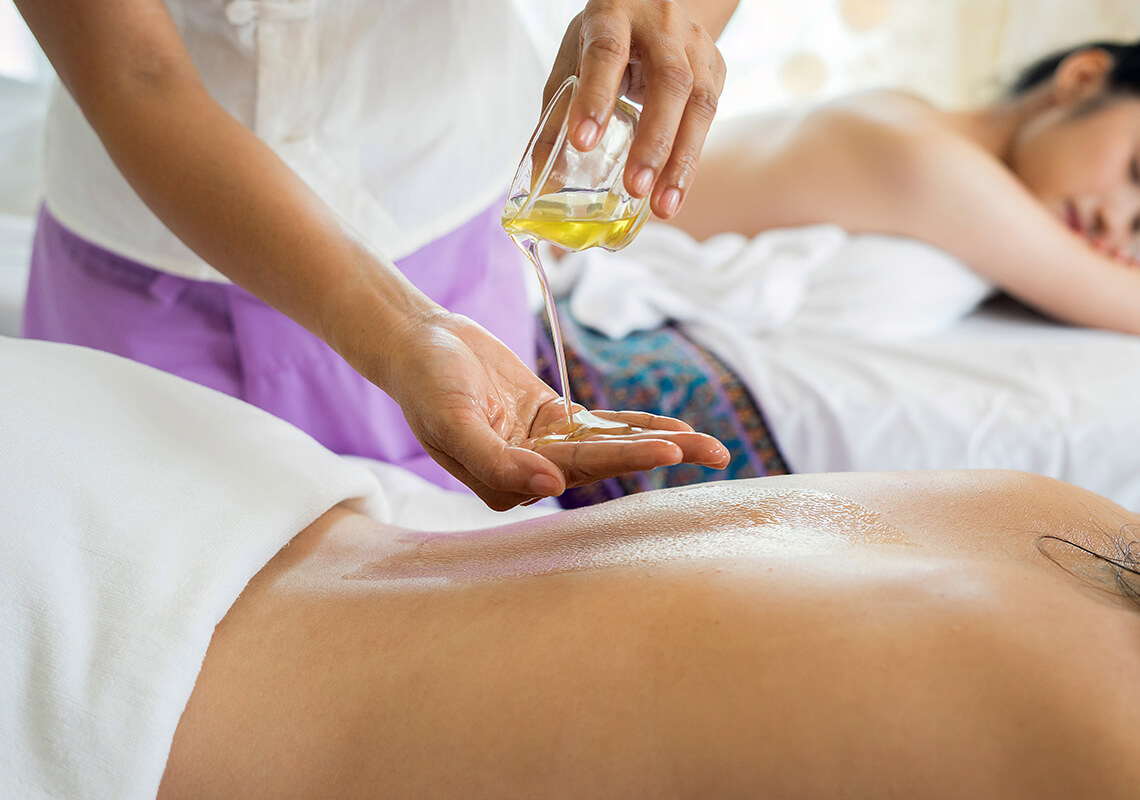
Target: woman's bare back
column 838, row 163
column 809, row 636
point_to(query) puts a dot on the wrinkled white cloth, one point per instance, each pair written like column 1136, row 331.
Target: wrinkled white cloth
column 1003, row 389
column 134, row 508
column 814, row 279
column 420, row 505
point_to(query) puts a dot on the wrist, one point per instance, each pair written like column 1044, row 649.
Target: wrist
column 370, row 313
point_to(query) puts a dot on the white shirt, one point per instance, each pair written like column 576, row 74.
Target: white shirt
column 407, row 116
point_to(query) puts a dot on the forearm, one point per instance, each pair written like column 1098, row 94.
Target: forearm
column 223, row 191
column 237, row 205
column 979, row 212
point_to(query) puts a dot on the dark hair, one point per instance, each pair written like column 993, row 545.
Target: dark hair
column 1124, row 77
column 1124, row 562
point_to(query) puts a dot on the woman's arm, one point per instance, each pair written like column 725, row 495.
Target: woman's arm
column 971, row 206
column 882, row 163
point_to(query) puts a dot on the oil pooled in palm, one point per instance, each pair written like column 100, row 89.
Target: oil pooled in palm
column 583, row 425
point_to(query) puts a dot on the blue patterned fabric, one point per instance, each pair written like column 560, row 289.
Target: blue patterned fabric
column 662, row 372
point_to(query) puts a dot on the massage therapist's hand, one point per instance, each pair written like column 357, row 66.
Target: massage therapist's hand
column 662, row 54
column 474, row 405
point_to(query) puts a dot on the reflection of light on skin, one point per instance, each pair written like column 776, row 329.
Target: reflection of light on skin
column 712, row 521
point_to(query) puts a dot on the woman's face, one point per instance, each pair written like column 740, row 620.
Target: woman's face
column 1083, row 163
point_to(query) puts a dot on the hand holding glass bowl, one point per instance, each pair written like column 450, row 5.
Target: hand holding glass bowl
column 577, row 199
column 572, row 198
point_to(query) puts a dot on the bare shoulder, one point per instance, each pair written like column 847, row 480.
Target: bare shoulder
column 864, row 118
column 911, row 144
column 854, row 162
column 886, row 108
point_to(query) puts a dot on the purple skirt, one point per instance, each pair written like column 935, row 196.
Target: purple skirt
column 221, row 336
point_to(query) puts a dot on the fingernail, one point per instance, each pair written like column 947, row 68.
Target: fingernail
column 587, row 133
column 643, row 181
column 543, row 485
column 671, row 201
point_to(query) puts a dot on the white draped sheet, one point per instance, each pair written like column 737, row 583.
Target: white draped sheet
column 135, row 507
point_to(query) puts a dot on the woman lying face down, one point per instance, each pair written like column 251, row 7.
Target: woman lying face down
column 1038, row 192
column 859, row 635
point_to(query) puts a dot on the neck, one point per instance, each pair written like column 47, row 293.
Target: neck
column 995, row 127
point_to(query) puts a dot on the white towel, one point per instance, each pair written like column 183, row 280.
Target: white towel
column 134, row 508
column 815, row 278
column 420, row 505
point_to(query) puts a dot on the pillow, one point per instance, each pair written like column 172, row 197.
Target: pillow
column 812, row 278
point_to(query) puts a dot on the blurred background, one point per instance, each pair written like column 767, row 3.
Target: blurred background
column 779, row 52
column 954, row 52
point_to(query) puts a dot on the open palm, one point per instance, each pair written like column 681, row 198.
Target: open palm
column 476, row 409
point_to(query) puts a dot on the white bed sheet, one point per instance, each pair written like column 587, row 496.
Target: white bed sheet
column 1002, row 389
